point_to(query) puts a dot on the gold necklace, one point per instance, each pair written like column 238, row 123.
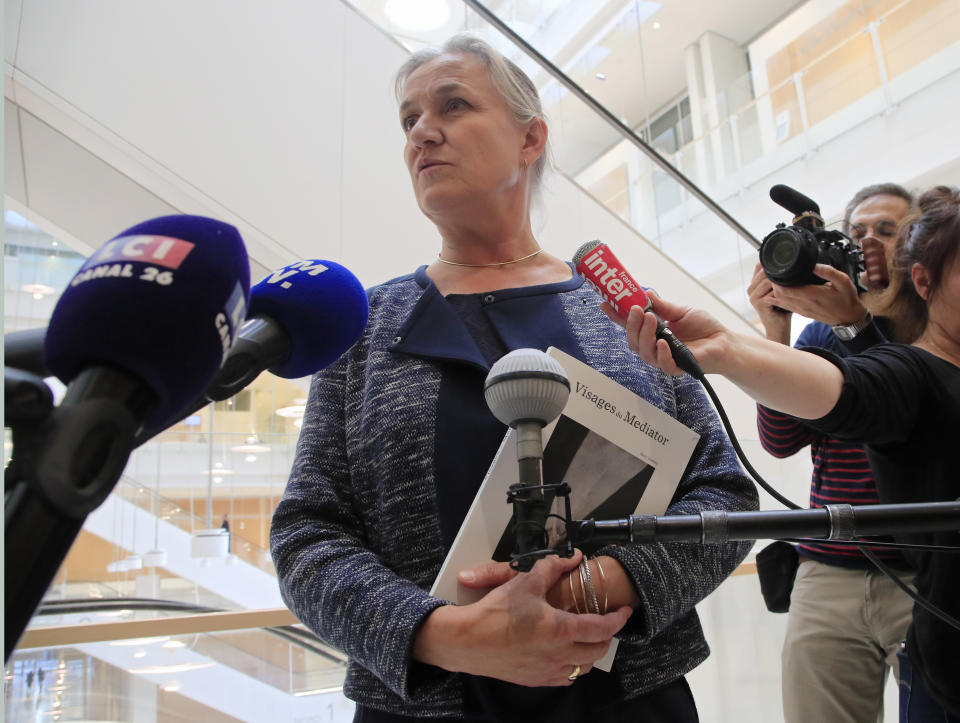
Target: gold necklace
column 500, row 263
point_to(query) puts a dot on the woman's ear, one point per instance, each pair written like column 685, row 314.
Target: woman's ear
column 921, row 281
column 534, row 140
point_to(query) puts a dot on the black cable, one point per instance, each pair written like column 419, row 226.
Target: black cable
column 925, row 604
column 875, row 543
column 740, row 453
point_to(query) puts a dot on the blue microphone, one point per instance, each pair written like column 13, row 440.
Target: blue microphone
column 160, row 304
column 302, row 317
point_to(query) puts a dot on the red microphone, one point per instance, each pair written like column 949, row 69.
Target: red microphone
column 603, row 271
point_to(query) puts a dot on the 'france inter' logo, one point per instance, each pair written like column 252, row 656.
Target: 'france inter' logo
column 156, row 250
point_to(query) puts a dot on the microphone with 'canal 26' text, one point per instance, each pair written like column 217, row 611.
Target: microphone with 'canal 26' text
column 603, row 271
column 156, row 310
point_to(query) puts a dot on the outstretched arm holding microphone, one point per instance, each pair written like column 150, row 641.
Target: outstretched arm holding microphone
column 778, row 376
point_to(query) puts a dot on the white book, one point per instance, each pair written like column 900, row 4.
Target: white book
column 619, row 454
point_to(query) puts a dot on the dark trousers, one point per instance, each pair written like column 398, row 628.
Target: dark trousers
column 916, row 705
column 671, row 703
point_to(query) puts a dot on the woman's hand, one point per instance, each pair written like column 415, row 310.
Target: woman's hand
column 613, row 586
column 703, row 335
column 773, row 374
column 514, row 633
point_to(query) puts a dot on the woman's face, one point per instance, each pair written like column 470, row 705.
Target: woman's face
column 463, row 144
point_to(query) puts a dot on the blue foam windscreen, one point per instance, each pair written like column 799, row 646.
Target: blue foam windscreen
column 320, row 305
column 163, row 301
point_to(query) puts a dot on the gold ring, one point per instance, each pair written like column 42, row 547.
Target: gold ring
column 575, row 673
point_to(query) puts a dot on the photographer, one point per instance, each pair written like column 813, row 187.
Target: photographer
column 846, row 619
column 902, row 402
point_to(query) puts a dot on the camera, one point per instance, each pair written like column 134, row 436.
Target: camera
column 789, row 253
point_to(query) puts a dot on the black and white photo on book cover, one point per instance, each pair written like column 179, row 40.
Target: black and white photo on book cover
column 605, row 480
column 619, row 454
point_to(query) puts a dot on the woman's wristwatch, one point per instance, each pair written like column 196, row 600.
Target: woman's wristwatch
column 848, row 332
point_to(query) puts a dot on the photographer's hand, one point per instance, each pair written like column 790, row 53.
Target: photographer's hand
column 835, row 302
column 775, row 320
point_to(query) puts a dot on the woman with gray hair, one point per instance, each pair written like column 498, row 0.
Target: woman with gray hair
column 397, row 438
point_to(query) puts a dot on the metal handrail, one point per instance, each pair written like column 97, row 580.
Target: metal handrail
column 279, row 621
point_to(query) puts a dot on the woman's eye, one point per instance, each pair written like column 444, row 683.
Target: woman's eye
column 456, row 103
column 409, row 122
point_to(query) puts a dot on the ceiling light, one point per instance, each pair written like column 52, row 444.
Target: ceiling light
column 292, row 412
column 140, row 654
column 217, row 480
column 417, row 15
column 250, row 458
column 139, row 641
column 317, row 691
column 171, row 686
column 115, row 614
column 173, row 644
column 601, row 76
column 41, row 289
column 656, row 25
column 252, row 445
column 155, row 558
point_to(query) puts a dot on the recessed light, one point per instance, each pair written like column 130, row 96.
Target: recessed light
column 417, row 15
column 656, row 25
column 601, row 76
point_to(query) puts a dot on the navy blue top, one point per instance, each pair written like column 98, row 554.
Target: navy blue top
column 496, row 322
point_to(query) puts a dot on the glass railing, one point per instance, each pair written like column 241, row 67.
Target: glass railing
column 174, row 513
column 880, row 57
column 96, row 567
column 816, row 87
column 149, row 671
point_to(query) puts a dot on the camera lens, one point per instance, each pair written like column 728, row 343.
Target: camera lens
column 781, row 251
column 788, row 255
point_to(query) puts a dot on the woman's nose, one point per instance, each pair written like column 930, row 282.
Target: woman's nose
column 425, row 130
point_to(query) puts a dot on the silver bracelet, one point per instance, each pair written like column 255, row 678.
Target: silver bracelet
column 606, row 591
column 587, row 581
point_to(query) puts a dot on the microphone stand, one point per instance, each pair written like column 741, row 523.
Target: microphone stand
column 833, row 522
column 65, row 463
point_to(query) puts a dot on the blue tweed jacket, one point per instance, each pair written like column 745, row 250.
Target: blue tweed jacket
column 356, row 538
